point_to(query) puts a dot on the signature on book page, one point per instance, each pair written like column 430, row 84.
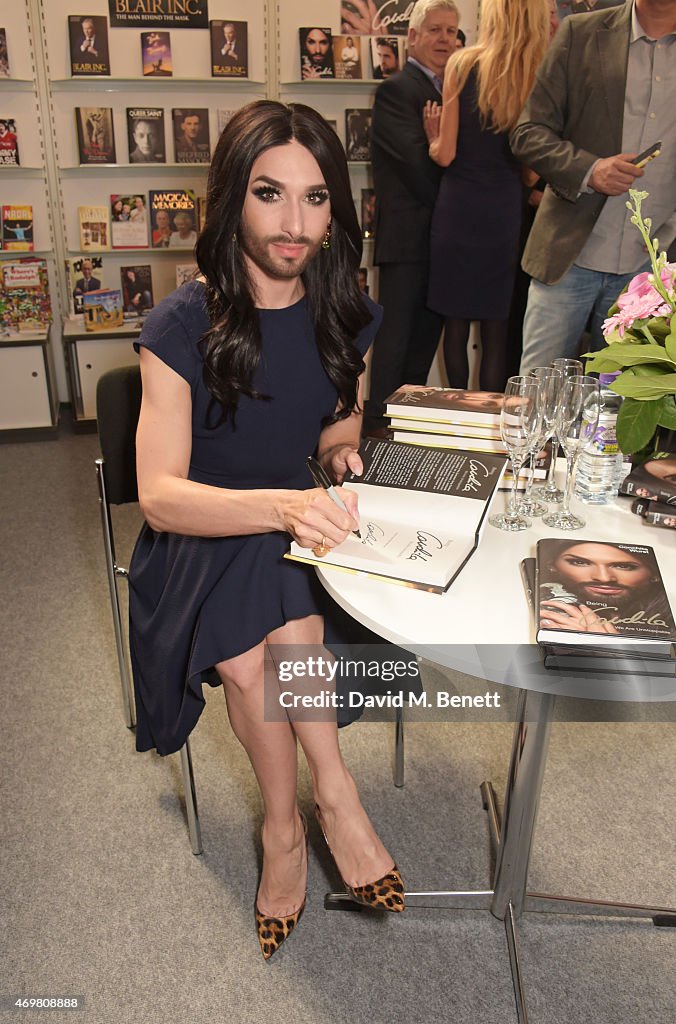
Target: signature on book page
column 392, row 544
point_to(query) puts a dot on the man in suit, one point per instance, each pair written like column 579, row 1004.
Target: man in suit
column 406, row 184
column 603, row 94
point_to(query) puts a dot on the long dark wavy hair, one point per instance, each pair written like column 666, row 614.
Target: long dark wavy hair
column 232, row 345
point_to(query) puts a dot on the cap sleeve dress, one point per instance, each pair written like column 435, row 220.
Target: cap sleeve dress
column 196, row 601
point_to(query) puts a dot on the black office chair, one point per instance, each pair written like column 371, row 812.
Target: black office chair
column 118, row 403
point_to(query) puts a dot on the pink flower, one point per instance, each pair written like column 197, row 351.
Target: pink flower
column 641, row 300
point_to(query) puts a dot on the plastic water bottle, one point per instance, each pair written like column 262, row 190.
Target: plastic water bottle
column 601, row 465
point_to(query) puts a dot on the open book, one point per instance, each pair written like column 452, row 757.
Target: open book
column 421, row 511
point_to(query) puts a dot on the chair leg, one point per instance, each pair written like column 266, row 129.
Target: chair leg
column 191, row 799
column 399, row 748
column 112, row 571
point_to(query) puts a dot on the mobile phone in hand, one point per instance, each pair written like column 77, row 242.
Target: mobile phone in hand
column 647, row 155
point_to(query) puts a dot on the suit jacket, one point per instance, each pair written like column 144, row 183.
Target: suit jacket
column 406, row 180
column 573, row 116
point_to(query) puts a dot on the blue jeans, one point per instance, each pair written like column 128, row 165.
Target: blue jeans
column 557, row 314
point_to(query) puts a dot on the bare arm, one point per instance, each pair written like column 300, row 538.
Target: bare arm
column 443, row 134
column 170, row 502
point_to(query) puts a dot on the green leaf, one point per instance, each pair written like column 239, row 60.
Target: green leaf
column 628, row 354
column 670, row 340
column 643, row 388
column 666, row 412
column 601, row 362
column 636, row 423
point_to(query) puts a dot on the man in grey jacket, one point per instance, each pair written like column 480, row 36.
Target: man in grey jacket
column 603, row 94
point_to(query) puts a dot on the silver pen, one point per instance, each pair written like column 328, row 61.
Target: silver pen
column 321, row 479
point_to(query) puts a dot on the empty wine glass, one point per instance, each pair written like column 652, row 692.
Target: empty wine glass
column 549, row 379
column 576, row 422
column 550, row 492
column 520, row 422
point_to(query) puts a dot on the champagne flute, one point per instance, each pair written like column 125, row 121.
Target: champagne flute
column 576, row 423
column 520, row 423
column 550, row 492
column 549, row 379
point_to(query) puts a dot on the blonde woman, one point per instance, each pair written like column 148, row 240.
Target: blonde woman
column 476, row 222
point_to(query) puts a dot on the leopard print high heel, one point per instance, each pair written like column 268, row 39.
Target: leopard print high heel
column 387, row 893
column 272, row 931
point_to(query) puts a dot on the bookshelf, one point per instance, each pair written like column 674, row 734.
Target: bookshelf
column 42, row 96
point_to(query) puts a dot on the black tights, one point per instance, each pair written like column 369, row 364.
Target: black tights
column 493, row 369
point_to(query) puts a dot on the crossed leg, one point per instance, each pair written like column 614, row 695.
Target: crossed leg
column 271, row 747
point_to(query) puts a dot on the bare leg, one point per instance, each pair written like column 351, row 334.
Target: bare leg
column 271, row 747
column 359, row 853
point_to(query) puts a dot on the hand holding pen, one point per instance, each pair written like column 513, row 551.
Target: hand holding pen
column 322, row 480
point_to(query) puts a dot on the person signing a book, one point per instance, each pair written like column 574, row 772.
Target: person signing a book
column 245, row 373
column 590, row 587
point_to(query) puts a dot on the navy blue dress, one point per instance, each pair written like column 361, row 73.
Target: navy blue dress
column 195, row 601
column 474, row 242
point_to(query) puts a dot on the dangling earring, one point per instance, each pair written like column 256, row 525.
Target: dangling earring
column 326, row 241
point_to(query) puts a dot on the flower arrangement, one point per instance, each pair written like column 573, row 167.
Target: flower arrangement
column 640, row 335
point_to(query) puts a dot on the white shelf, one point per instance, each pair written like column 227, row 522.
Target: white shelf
column 109, row 84
column 20, row 254
column 20, row 84
column 29, row 172
column 131, row 167
column 174, row 251
column 311, row 82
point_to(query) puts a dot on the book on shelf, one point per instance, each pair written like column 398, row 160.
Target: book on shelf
column 223, row 116
column 229, row 49
column 4, row 54
column 390, row 16
column 316, row 54
column 145, row 135
column 421, row 512
column 24, row 289
column 347, row 57
column 173, row 218
column 9, row 143
column 137, row 289
column 103, row 309
column 156, row 54
column 387, row 55
column 368, row 213
column 595, row 659
column 358, row 133
column 95, row 135
column 88, row 37
column 129, row 221
column 655, row 479
column 446, row 405
column 185, row 272
column 201, row 212
column 85, row 274
column 94, row 228
column 191, row 135
column 17, row 228
column 593, row 594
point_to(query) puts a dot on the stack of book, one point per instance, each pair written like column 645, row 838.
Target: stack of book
column 653, row 487
column 600, row 607
column 451, row 418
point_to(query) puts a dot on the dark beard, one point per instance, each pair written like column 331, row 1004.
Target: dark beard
column 282, row 269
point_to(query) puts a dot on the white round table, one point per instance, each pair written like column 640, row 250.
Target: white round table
column 483, row 626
